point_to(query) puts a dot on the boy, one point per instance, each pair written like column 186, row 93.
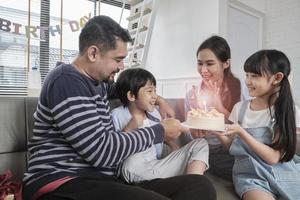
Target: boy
column 136, row 89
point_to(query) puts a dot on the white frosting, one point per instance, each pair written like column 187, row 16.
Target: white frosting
column 211, row 120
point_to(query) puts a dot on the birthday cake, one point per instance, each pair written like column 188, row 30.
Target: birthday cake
column 205, row 120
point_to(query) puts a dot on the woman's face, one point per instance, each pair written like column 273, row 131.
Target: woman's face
column 210, row 67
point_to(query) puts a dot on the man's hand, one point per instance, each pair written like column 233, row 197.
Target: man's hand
column 165, row 110
column 173, row 129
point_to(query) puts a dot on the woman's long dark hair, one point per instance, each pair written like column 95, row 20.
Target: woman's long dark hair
column 270, row 62
column 221, row 49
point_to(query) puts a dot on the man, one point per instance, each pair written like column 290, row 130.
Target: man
column 75, row 150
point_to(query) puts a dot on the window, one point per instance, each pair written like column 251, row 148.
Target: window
column 31, row 43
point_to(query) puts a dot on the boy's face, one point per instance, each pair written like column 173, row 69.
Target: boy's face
column 146, row 97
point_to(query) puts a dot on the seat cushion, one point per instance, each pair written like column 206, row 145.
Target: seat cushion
column 224, row 188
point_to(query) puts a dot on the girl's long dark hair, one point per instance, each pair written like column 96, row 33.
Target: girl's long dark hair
column 270, row 62
column 221, row 49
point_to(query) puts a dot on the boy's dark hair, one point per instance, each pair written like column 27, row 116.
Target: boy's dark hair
column 221, row 49
column 132, row 80
column 269, row 62
column 102, row 31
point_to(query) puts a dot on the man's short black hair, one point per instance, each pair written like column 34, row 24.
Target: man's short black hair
column 102, row 31
column 132, row 80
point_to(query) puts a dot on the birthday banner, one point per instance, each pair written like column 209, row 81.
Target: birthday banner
column 32, row 31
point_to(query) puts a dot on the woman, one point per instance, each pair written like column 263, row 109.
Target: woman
column 219, row 89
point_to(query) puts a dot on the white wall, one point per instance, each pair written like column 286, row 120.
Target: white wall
column 244, row 33
column 179, row 28
column 259, row 5
column 282, row 32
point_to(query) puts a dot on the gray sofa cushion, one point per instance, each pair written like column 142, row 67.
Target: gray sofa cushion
column 30, row 106
column 12, row 125
column 16, row 162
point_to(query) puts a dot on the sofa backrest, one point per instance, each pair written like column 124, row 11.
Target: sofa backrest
column 15, row 122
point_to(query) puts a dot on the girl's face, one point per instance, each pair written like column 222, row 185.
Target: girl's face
column 210, row 67
column 146, row 97
column 260, row 85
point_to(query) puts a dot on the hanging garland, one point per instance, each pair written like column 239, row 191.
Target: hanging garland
column 32, row 31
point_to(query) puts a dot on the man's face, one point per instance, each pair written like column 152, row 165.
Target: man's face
column 110, row 62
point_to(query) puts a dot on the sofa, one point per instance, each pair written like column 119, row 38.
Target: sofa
column 16, row 124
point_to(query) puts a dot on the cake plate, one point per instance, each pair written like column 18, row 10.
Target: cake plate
column 202, row 128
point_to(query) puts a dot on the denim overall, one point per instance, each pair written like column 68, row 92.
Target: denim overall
column 281, row 180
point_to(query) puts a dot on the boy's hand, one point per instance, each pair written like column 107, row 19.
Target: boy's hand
column 165, row 109
column 173, row 129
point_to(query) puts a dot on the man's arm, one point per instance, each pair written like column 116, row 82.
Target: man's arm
column 84, row 121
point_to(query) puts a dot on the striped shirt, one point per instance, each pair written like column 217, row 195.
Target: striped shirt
column 73, row 132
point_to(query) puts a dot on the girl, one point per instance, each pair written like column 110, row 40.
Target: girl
column 265, row 132
column 221, row 90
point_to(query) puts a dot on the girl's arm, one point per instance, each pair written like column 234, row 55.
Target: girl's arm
column 268, row 154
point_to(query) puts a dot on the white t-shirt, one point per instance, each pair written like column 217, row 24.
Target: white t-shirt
column 256, row 118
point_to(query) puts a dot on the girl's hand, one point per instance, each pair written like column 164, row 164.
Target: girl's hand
column 233, row 129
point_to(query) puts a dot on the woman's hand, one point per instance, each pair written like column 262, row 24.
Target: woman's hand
column 215, row 98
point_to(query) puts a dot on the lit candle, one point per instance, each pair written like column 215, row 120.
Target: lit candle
column 205, row 107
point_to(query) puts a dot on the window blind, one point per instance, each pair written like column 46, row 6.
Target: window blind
column 20, row 57
column 13, row 70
